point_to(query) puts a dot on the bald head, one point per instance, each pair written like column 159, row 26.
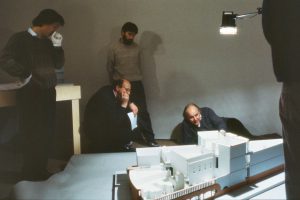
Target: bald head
column 192, row 114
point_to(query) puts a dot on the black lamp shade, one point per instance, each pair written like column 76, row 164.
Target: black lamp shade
column 228, row 19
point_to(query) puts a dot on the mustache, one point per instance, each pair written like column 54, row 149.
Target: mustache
column 127, row 41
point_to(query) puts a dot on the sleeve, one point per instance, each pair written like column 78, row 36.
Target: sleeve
column 216, row 121
column 8, row 60
column 58, row 57
column 116, row 113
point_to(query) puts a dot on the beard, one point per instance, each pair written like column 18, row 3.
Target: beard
column 126, row 41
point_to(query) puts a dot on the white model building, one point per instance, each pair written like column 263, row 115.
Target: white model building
column 195, row 163
column 264, row 155
column 223, row 158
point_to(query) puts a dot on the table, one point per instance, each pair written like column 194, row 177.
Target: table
column 86, row 177
column 64, row 92
column 103, row 176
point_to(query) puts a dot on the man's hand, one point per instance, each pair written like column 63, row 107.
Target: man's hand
column 124, row 98
column 133, row 108
column 56, row 39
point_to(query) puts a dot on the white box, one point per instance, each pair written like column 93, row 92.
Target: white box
column 232, row 178
column 148, row 156
column 262, row 150
column 265, row 165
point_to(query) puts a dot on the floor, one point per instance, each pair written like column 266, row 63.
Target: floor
column 11, row 163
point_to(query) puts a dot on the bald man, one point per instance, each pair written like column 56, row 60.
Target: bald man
column 199, row 119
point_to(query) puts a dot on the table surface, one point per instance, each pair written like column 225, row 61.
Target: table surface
column 103, row 177
column 86, row 177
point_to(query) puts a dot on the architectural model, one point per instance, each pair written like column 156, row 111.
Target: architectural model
column 220, row 160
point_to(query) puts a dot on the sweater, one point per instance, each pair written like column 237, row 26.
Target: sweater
column 25, row 54
column 123, row 62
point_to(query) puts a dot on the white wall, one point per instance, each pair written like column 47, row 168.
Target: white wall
column 185, row 58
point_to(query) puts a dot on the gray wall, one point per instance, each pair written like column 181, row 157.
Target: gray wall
column 185, row 59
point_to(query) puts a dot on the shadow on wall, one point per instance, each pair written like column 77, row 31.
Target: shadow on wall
column 149, row 43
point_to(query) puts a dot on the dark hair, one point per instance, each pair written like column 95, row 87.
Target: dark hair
column 48, row 16
column 187, row 106
column 130, row 27
column 118, row 83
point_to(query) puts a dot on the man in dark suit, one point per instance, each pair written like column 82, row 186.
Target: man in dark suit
column 280, row 20
column 106, row 122
column 199, row 119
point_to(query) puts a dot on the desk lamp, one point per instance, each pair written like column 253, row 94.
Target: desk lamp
column 229, row 18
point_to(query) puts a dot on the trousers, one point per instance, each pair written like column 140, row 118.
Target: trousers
column 289, row 111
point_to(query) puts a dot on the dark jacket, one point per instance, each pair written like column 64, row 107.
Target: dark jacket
column 106, row 124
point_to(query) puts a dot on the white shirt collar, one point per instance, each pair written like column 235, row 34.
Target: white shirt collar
column 32, row 32
column 115, row 93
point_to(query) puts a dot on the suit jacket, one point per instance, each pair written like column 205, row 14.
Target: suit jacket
column 106, row 123
column 210, row 121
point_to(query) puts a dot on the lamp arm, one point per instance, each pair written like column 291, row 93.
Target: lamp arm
column 249, row 15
